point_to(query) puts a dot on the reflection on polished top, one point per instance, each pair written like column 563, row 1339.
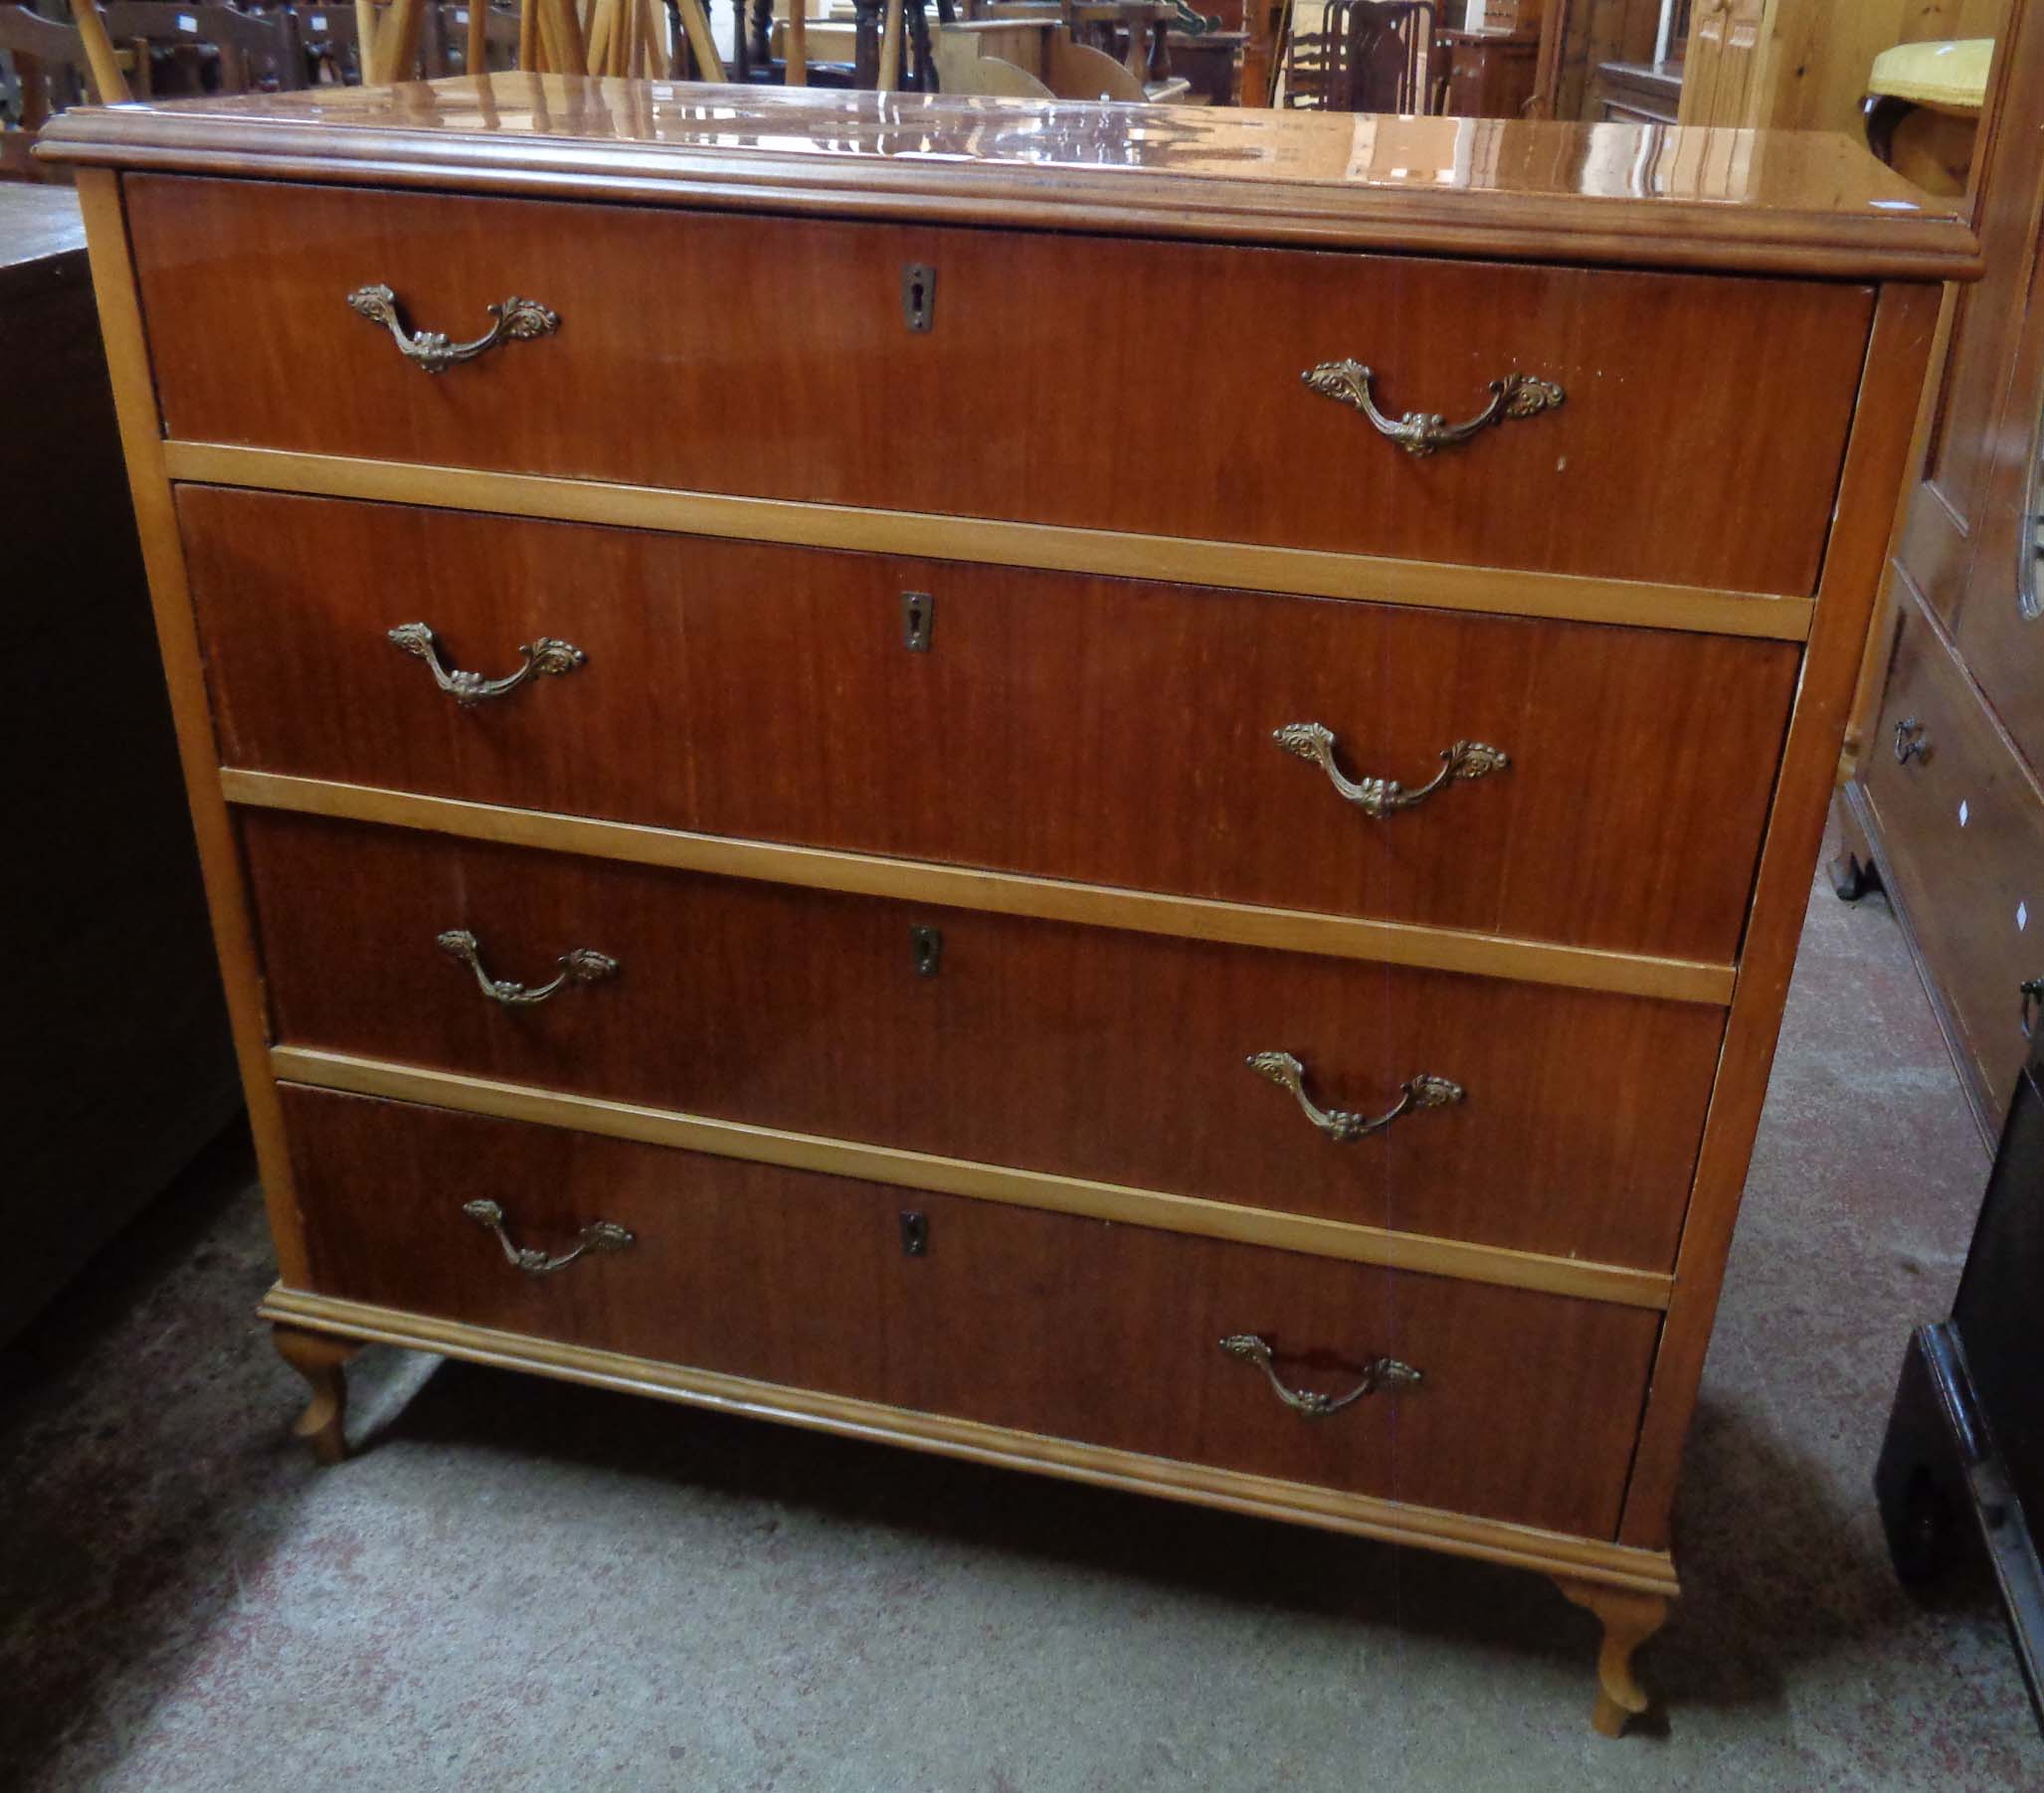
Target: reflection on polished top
column 1762, row 199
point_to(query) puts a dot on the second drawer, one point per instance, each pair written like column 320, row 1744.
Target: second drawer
column 1116, row 732
column 1076, row 1051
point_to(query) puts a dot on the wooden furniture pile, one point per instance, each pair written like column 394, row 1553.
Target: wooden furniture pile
column 1772, row 64
column 1945, row 801
column 1250, row 990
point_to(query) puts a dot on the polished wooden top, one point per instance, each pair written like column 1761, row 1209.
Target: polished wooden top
column 42, row 236
column 1804, row 202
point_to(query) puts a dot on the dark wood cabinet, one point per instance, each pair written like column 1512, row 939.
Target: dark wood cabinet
column 122, row 1068
column 1961, row 1471
column 1945, row 804
column 1489, row 74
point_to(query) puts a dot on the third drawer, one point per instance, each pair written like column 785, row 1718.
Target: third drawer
column 1116, row 732
column 1068, row 1049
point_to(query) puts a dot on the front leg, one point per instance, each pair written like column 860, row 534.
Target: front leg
column 319, row 1358
column 1629, row 1619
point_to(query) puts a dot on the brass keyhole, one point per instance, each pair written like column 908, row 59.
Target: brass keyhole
column 918, row 296
column 918, row 616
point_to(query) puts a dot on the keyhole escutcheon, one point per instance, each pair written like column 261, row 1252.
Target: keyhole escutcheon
column 919, row 296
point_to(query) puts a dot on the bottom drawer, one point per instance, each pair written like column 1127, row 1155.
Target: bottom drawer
column 1051, row 1323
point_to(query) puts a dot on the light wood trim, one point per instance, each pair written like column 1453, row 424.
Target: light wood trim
column 1234, row 566
column 709, row 66
column 888, row 80
column 999, row 892
column 1039, row 1190
column 1261, row 1497
column 396, row 51
column 1904, row 324
column 109, row 86
column 796, row 57
column 227, row 901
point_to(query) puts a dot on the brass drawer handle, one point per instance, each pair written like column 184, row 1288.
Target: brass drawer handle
column 598, row 1235
column 1382, row 1373
column 582, row 966
column 544, row 658
column 1377, row 798
column 1282, row 1069
column 1421, row 432
column 515, row 321
column 2031, row 992
column 1909, row 741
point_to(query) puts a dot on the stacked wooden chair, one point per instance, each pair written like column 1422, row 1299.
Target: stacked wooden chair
column 1370, row 56
column 203, row 47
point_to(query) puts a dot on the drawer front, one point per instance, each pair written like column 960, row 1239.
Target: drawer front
column 1111, row 731
column 772, row 357
column 1963, row 831
column 1048, row 1324
column 1077, row 1050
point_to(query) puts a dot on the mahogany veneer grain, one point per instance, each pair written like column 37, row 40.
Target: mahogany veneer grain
column 656, row 377
column 1112, row 731
column 1079, row 1050
column 1046, row 1323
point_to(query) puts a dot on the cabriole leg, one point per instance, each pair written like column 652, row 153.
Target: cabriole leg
column 1629, row 1619
column 320, row 1360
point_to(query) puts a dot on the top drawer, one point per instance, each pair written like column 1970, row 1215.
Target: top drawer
column 1106, row 384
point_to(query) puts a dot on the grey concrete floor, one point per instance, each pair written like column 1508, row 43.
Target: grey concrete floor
column 519, row 1585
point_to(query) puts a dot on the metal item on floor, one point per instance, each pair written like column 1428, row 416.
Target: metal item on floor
column 1962, row 1467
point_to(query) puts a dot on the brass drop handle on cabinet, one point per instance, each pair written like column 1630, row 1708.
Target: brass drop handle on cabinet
column 1379, row 797
column 515, row 321
column 545, row 658
column 2032, row 992
column 1381, row 1372
column 1909, row 741
column 598, row 1235
column 581, row 966
column 1282, row 1069
column 1421, row 432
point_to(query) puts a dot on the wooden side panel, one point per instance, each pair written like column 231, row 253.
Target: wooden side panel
column 134, row 402
column 1043, row 1323
column 1903, row 329
column 1112, row 731
column 1077, row 1050
column 1647, row 472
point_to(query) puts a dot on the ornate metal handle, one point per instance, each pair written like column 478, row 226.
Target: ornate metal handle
column 1282, row 1069
column 1381, row 1372
column 1909, row 741
column 515, row 321
column 598, row 1235
column 582, row 966
column 545, row 658
column 1377, row 798
column 2032, row 993
column 1423, row 432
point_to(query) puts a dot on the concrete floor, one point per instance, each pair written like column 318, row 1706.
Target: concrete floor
column 519, row 1585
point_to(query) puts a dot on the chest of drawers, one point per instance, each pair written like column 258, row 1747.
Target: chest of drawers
column 796, row 823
